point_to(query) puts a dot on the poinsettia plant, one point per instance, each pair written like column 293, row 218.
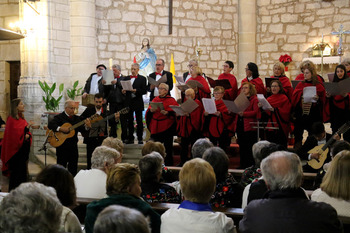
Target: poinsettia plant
column 285, row 59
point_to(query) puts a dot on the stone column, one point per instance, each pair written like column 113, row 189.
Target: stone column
column 45, row 52
column 83, row 39
column 247, row 35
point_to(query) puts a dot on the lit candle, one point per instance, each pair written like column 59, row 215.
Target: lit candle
column 110, row 63
column 322, row 37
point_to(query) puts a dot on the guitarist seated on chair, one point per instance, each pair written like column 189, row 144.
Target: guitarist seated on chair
column 67, row 153
column 318, row 137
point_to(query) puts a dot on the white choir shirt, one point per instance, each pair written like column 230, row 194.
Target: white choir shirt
column 250, row 78
column 156, row 92
column 132, row 80
column 94, row 84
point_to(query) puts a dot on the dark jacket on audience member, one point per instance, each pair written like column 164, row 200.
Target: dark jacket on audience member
column 289, row 211
column 95, row 207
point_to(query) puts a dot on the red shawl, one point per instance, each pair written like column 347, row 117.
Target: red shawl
column 258, row 83
column 217, row 124
column 230, row 94
column 185, row 124
column 203, row 92
column 287, row 86
column 13, row 139
column 321, row 92
column 158, row 122
column 281, row 114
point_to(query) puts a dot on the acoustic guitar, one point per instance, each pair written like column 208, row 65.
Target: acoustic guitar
column 57, row 138
column 323, row 149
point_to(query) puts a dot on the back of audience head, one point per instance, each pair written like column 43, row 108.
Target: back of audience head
column 114, row 143
column 103, row 157
column 62, row 181
column 282, row 170
column 30, row 208
column 257, row 151
column 197, row 180
column 200, row 146
column 338, row 146
column 120, row 219
column 219, row 160
column 151, row 167
column 336, row 182
column 151, row 146
column 121, row 178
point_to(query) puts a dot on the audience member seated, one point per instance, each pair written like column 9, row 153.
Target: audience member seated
column 335, row 188
column 30, row 208
column 258, row 188
column 228, row 192
column 286, row 208
column 114, row 143
column 123, row 188
column 92, row 183
column 153, row 191
column 253, row 173
column 120, row 219
column 152, row 146
column 336, row 147
column 200, row 146
column 59, row 178
column 197, row 179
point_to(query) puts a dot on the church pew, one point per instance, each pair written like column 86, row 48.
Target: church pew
column 308, row 177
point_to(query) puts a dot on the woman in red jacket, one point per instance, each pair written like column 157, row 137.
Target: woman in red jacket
column 306, row 114
column 278, row 116
column 189, row 126
column 278, row 72
column 220, row 125
column 252, row 73
column 201, row 92
column 339, row 105
column 246, row 134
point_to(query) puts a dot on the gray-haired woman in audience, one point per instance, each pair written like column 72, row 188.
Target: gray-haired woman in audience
column 120, row 219
column 30, row 208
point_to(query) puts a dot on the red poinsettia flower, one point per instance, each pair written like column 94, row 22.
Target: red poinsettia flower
column 148, row 196
column 285, row 59
column 225, row 189
column 217, row 205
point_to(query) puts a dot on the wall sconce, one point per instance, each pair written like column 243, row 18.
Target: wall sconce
column 20, row 28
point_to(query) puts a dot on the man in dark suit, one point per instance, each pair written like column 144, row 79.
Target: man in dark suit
column 95, row 135
column 116, row 100
column 135, row 102
column 67, row 153
column 160, row 72
column 191, row 63
column 94, row 84
column 286, row 207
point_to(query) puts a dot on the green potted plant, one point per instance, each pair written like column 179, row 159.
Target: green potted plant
column 74, row 92
column 51, row 103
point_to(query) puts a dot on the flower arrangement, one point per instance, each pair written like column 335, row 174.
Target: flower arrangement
column 285, row 59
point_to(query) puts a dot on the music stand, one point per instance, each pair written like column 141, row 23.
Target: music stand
column 44, row 147
column 263, row 125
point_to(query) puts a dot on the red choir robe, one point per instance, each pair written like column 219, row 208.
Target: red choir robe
column 14, row 137
column 301, row 77
column 217, row 124
column 258, row 83
column 281, row 115
column 203, row 92
column 321, row 92
column 186, row 124
column 287, row 86
column 156, row 121
column 230, row 94
column 251, row 114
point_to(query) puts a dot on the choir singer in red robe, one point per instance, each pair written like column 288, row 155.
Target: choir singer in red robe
column 252, row 73
column 196, row 75
column 305, row 114
column 278, row 72
column 278, row 116
column 230, row 94
column 189, row 126
column 16, row 146
column 162, row 123
column 220, row 125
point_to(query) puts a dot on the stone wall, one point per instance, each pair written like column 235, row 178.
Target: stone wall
column 9, row 51
column 121, row 26
column 293, row 27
